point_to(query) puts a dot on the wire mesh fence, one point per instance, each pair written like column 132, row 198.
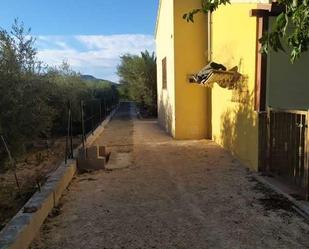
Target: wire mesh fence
column 20, row 177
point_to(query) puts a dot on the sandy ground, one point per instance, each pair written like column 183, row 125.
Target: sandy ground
column 169, row 194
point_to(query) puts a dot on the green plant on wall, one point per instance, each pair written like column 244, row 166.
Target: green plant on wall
column 295, row 15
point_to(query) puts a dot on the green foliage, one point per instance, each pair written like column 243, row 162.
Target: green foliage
column 139, row 80
column 295, row 17
column 290, row 30
column 69, row 86
column 23, row 112
column 33, row 98
column 206, row 6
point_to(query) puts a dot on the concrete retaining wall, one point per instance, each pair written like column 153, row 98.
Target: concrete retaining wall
column 24, row 226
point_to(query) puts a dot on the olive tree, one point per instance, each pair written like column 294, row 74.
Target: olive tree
column 138, row 78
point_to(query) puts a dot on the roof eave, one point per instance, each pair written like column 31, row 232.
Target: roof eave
column 158, row 16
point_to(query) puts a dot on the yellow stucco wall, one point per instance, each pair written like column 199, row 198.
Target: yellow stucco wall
column 190, row 111
column 182, row 107
column 192, row 101
column 234, row 122
column 165, row 48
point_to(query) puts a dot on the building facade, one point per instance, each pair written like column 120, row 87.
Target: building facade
column 234, row 118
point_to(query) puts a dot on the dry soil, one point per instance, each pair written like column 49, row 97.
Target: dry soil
column 162, row 193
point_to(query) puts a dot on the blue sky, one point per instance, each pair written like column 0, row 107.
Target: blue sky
column 89, row 34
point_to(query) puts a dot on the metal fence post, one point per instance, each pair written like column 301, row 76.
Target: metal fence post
column 104, row 108
column 67, row 136
column 92, row 116
column 100, row 110
column 12, row 161
column 69, row 148
column 71, row 132
column 83, row 126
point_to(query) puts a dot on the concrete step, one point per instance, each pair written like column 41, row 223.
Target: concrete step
column 92, row 158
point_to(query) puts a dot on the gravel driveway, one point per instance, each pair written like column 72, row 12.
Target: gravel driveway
column 169, row 194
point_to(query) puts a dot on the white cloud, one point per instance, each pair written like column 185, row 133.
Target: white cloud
column 94, row 54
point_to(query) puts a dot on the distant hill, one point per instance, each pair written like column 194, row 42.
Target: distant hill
column 94, row 79
column 88, row 77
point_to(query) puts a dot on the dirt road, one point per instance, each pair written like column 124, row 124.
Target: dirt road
column 161, row 193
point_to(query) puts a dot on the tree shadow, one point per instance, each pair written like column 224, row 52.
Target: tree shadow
column 239, row 127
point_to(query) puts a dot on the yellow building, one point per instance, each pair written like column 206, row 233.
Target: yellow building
column 181, row 105
column 234, row 117
column 190, row 111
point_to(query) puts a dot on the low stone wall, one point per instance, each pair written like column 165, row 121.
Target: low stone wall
column 24, row 226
